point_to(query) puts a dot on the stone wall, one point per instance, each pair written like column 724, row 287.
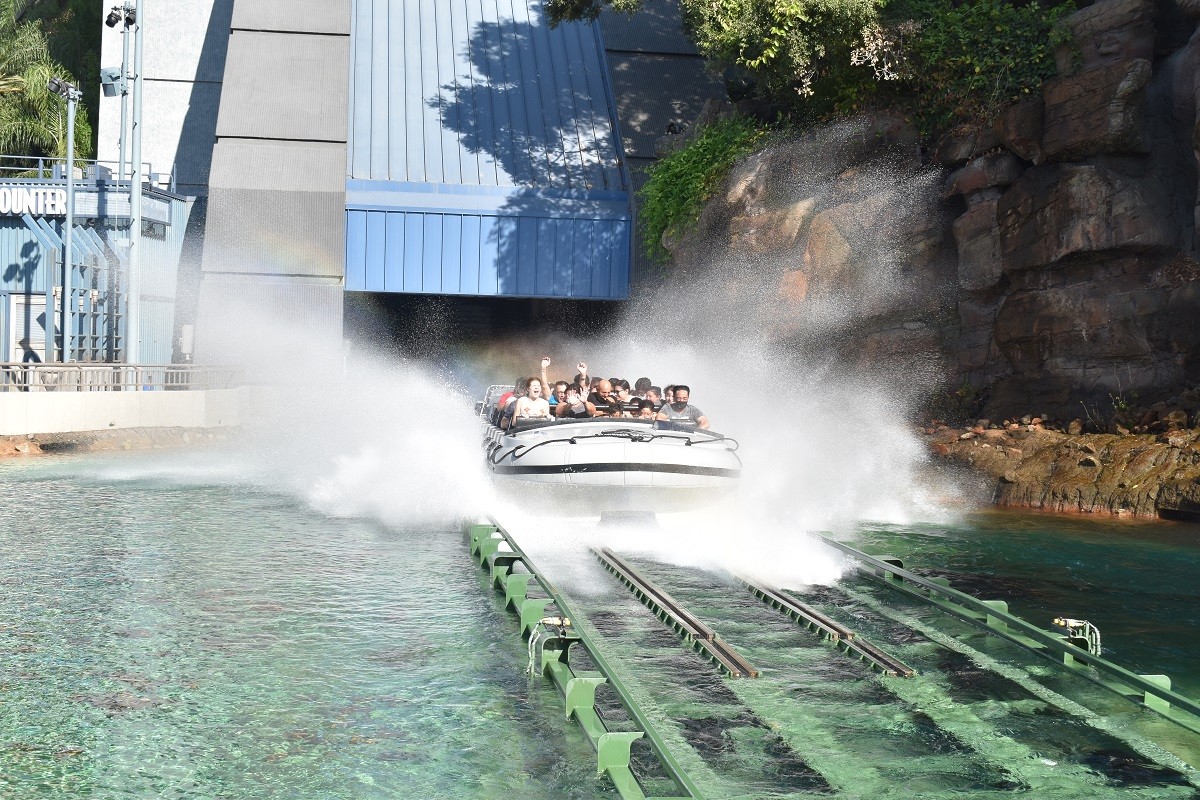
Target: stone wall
column 1059, row 264
column 1077, row 249
column 836, row 239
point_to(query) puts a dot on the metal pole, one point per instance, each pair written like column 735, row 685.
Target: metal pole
column 123, row 142
column 133, row 327
column 68, row 234
column 48, row 313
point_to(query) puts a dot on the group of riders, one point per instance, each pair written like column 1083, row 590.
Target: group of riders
column 585, row 397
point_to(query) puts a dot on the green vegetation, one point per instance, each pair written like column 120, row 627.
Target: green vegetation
column 946, row 62
column 783, row 45
column 34, row 35
column 942, row 63
column 681, row 182
column 965, row 62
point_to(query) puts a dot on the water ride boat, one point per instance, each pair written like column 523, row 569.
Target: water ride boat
column 609, row 462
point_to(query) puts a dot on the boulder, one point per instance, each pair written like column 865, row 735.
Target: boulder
column 1107, row 32
column 963, row 143
column 1019, row 128
column 772, row 231
column 1096, row 111
column 838, row 234
column 1056, row 210
column 977, row 353
column 748, row 182
column 986, row 172
column 1182, row 73
column 793, row 287
column 979, row 264
column 1075, row 329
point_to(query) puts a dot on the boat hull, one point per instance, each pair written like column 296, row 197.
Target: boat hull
column 613, row 464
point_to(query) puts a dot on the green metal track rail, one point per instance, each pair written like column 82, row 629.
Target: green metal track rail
column 992, row 616
column 838, row 634
column 495, row 550
column 695, row 633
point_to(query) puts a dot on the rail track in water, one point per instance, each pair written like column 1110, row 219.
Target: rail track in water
column 888, row 684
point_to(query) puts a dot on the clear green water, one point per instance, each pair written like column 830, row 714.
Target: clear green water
column 1138, row 582
column 167, row 641
column 174, row 640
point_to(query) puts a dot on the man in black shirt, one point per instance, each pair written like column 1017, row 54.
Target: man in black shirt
column 604, row 400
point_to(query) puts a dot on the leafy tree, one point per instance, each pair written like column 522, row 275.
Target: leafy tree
column 946, row 61
column 21, row 43
column 963, row 61
column 33, row 120
column 782, row 44
column 560, row 11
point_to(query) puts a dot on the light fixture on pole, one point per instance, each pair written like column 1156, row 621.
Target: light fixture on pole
column 72, row 96
column 115, row 81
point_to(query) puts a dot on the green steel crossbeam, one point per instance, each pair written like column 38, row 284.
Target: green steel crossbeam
column 579, row 690
column 992, row 616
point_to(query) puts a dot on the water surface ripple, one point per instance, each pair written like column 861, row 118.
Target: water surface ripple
column 174, row 641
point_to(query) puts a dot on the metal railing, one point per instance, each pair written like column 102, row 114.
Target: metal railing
column 42, row 168
column 98, row 377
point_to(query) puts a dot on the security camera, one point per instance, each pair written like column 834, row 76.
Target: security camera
column 112, row 82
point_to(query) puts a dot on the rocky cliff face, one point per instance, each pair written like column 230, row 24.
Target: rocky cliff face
column 1077, row 245
column 1050, row 257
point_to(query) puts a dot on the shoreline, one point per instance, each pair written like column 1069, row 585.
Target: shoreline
column 1120, row 476
column 117, row 439
column 1024, row 467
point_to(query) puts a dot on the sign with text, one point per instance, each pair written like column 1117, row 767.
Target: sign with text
column 38, row 201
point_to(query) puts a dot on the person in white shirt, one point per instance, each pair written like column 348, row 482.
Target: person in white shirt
column 533, row 405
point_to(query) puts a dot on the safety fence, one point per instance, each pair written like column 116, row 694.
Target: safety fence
column 94, row 377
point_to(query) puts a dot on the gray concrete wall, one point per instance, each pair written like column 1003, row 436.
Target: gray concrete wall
column 71, row 412
column 274, row 251
column 183, row 64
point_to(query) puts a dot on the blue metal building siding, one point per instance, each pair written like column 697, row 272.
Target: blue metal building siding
column 484, row 157
column 160, row 280
column 477, row 254
column 24, row 265
column 22, row 261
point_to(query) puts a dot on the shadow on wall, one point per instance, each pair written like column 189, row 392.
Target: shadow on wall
column 534, row 131
column 196, row 140
column 565, row 232
column 20, row 329
column 193, row 154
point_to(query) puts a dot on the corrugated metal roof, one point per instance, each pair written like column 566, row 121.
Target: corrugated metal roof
column 478, row 92
column 483, row 154
column 480, row 254
column 287, row 86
